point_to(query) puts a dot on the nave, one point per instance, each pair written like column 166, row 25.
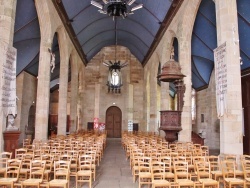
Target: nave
column 114, row 170
column 138, row 159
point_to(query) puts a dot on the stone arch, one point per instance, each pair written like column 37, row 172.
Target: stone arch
column 46, row 19
column 63, row 118
column 184, row 33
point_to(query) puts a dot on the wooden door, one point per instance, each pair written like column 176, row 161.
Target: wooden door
column 246, row 105
column 113, row 122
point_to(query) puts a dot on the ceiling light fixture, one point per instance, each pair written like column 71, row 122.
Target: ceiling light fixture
column 117, row 8
column 114, row 82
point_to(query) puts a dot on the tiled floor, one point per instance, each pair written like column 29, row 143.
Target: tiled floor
column 114, row 170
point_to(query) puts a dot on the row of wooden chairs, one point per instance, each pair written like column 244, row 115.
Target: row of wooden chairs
column 81, row 163
column 209, row 171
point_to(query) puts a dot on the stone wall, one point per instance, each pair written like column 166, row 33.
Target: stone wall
column 26, row 93
column 96, row 97
column 206, row 106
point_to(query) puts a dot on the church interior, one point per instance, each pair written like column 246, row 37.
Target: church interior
column 166, row 74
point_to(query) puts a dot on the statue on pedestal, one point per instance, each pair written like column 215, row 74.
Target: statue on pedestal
column 10, row 123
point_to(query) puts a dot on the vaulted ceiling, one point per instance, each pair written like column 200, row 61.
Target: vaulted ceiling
column 139, row 32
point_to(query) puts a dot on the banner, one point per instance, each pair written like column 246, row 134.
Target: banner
column 130, row 125
column 96, row 123
column 8, row 84
column 220, row 64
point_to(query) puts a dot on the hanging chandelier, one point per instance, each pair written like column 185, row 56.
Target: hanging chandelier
column 116, row 8
column 114, row 82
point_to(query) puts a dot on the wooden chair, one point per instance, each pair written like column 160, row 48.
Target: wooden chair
column 169, row 175
column 193, row 174
column 165, row 152
column 238, row 173
column 246, row 170
column 144, row 176
column 93, row 166
column 25, row 169
column 182, row 177
column 229, row 176
column 158, row 175
column 135, row 165
column 61, row 174
column 74, row 162
column 215, row 168
column 19, row 153
column 4, row 157
column 26, row 142
column 245, row 157
column 85, row 173
column 65, row 157
column 155, row 155
column 205, row 150
column 12, row 173
column 37, row 168
column 204, row 174
column 173, row 147
column 49, row 159
column 56, row 153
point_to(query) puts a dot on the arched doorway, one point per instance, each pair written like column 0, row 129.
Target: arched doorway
column 113, row 122
column 30, row 129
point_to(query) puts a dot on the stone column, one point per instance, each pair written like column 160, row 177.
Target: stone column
column 7, row 21
column 231, row 138
column 186, row 116
column 43, row 94
column 130, row 104
column 153, row 104
column 73, row 93
column 80, row 101
column 63, row 91
column 97, row 100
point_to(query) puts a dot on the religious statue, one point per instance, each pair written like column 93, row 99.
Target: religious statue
column 52, row 60
column 10, row 123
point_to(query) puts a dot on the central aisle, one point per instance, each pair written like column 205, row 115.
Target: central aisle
column 114, row 170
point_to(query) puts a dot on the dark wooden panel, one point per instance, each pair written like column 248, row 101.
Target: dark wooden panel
column 117, row 125
column 109, row 125
column 197, row 139
column 90, row 125
column 53, row 122
column 135, row 127
column 246, row 105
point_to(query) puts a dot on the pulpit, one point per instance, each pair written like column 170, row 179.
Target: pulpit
column 170, row 124
column 171, row 119
column 11, row 141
